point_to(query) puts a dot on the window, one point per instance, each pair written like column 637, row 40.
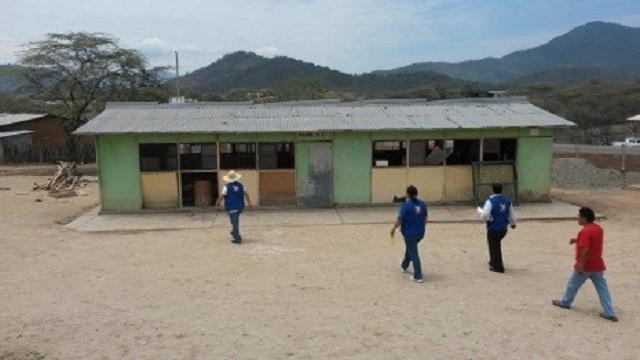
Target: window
column 426, row 152
column 198, row 156
column 499, row 149
column 462, row 152
column 235, row 156
column 389, row 153
column 276, row 156
column 158, row 157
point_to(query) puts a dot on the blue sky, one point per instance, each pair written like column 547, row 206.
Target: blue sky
column 352, row 36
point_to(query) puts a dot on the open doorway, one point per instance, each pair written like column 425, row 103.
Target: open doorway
column 198, row 176
column 199, row 189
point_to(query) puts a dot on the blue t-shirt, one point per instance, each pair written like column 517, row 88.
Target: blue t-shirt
column 412, row 216
column 234, row 197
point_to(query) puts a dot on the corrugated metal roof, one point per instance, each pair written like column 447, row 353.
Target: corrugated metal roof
column 320, row 117
column 9, row 119
column 7, row 134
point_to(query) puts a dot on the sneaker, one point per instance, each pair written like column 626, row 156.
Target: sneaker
column 420, row 281
column 236, row 241
column 404, row 270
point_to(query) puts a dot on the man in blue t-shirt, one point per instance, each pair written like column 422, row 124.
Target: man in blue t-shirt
column 412, row 220
column 234, row 193
column 498, row 213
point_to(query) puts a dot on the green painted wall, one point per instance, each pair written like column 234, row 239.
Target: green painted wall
column 352, row 168
column 535, row 156
column 119, row 170
column 302, row 161
column 120, row 176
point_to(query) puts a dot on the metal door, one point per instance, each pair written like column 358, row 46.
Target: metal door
column 314, row 170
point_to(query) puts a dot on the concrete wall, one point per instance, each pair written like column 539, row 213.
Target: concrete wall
column 119, row 171
column 458, row 183
column 387, row 183
column 430, row 181
column 534, row 163
column 351, row 168
column 354, row 179
column 160, row 190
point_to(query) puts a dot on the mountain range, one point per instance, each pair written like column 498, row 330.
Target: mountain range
column 246, row 70
column 595, row 51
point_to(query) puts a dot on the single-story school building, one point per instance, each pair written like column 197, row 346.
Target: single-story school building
column 324, row 153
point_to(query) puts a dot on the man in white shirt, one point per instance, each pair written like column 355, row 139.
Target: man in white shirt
column 498, row 213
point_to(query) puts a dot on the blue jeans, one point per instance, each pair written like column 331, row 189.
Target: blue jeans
column 575, row 282
column 411, row 256
column 235, row 226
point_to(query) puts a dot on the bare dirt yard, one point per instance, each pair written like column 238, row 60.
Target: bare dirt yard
column 310, row 292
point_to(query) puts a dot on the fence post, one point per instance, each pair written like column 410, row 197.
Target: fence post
column 623, row 165
column 624, row 158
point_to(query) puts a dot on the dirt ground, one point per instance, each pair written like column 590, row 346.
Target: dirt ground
column 304, row 292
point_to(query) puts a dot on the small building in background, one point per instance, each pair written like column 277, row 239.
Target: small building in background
column 325, row 153
column 498, row 93
column 14, row 141
column 47, row 130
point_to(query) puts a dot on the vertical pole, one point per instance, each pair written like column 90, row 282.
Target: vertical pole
column 177, row 75
column 623, row 165
column 624, row 153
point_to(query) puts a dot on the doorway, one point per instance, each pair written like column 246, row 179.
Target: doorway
column 314, row 174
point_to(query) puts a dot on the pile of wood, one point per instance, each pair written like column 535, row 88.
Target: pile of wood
column 65, row 182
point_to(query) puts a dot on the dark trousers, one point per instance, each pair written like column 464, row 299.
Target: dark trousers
column 411, row 256
column 235, row 226
column 494, row 240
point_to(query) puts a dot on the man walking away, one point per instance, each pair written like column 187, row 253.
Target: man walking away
column 234, row 193
column 412, row 219
column 589, row 265
column 498, row 212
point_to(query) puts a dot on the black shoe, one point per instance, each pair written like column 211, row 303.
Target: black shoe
column 496, row 270
column 610, row 318
column 236, row 242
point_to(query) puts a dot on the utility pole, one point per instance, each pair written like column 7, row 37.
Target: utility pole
column 177, row 76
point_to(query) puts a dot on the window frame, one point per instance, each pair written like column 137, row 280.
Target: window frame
column 279, row 146
column 436, row 142
column 449, row 158
column 237, row 149
column 403, row 148
column 164, row 157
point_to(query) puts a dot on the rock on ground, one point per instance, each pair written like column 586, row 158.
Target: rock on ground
column 576, row 173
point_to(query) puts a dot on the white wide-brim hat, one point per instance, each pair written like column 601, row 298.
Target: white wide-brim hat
column 231, row 176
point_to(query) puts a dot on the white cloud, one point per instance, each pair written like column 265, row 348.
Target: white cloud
column 153, row 42
column 351, row 36
column 267, row 51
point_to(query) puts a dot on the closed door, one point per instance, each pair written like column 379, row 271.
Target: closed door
column 314, row 173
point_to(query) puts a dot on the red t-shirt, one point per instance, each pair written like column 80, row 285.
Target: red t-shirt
column 591, row 236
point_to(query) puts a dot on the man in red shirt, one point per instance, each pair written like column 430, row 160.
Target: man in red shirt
column 589, row 265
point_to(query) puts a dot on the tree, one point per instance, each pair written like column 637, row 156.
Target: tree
column 79, row 70
column 305, row 87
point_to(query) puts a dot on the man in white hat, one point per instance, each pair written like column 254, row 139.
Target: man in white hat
column 233, row 194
